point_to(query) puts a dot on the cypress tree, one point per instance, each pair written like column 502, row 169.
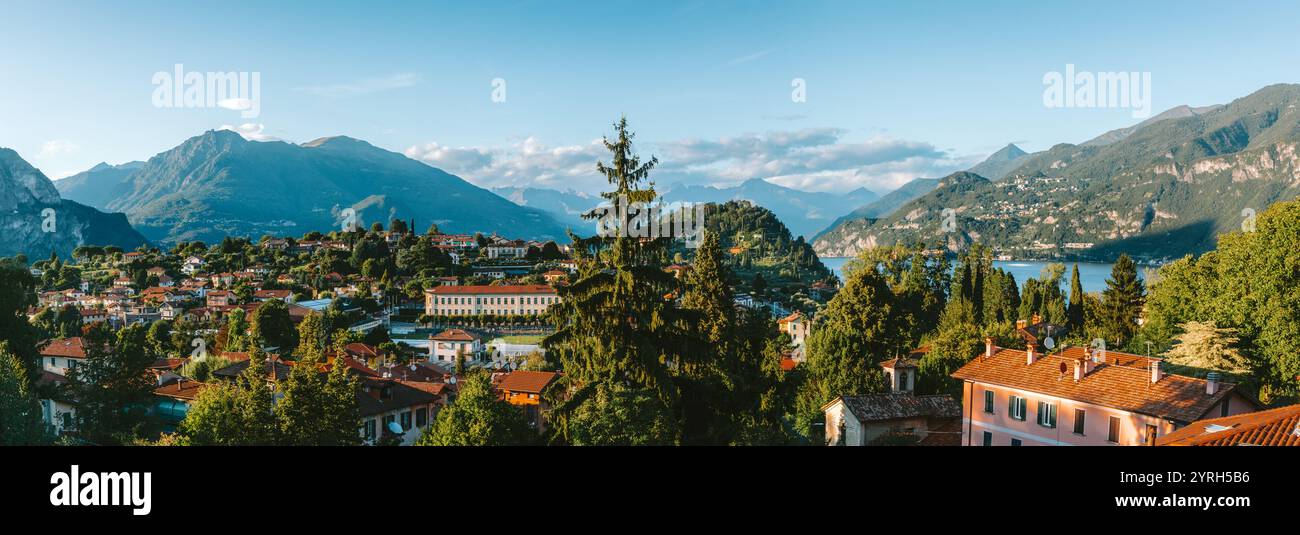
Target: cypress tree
column 1075, row 312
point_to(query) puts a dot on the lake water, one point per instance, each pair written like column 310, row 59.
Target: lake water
column 1092, row 275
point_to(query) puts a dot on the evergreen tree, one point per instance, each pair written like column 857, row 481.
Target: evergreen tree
column 860, row 328
column 614, row 325
column 1075, row 312
column 1122, row 302
column 955, row 342
column 20, row 412
column 17, row 294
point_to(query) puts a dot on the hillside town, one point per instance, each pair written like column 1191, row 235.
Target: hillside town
column 479, row 305
column 462, row 304
column 382, row 336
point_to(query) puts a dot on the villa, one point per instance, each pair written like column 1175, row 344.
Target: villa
column 501, row 300
column 1083, row 397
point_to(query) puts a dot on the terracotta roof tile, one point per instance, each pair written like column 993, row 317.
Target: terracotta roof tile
column 527, row 381
column 65, row 347
column 186, row 390
column 1275, row 427
column 503, row 289
column 1122, row 382
column 454, row 335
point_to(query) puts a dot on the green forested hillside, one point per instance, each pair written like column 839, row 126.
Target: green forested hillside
column 1163, row 191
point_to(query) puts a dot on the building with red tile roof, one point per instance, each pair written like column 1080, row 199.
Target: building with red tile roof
column 500, row 300
column 1273, row 427
column 61, row 355
column 446, row 345
column 524, row 389
column 1083, row 397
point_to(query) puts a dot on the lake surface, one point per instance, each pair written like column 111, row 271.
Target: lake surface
column 1092, row 275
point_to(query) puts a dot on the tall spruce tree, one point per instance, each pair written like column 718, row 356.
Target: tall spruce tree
column 614, row 324
column 1122, row 302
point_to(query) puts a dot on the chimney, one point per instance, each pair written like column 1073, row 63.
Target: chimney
column 1080, row 369
column 1212, row 383
column 1030, row 355
column 989, row 348
column 1037, row 319
column 1156, row 372
column 1020, row 324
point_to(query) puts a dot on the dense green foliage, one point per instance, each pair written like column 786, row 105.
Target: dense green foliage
column 1248, row 285
column 478, row 418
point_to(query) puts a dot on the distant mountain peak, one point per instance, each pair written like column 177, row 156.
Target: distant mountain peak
column 337, row 142
column 1009, row 152
column 1000, row 163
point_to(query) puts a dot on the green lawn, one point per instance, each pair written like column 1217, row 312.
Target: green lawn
column 523, row 338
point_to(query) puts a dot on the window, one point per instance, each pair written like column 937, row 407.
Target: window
column 1151, row 435
column 1016, row 408
column 1078, row 421
column 370, row 429
column 1112, row 435
column 988, row 438
column 1047, row 414
column 406, row 421
column 421, row 417
column 988, row 401
column 1015, row 442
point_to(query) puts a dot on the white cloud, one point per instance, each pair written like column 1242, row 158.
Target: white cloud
column 527, row 163
column 237, row 104
column 363, row 86
column 813, row 159
column 251, row 131
column 56, row 147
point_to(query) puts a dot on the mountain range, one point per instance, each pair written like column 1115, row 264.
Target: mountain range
column 37, row 221
column 803, row 212
column 1164, row 189
column 219, row 184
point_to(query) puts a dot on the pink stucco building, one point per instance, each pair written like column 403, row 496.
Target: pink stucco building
column 1079, row 397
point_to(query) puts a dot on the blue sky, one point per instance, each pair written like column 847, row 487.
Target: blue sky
column 894, row 89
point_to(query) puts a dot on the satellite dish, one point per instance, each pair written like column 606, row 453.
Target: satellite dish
column 1048, row 342
column 1063, row 369
column 395, row 428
